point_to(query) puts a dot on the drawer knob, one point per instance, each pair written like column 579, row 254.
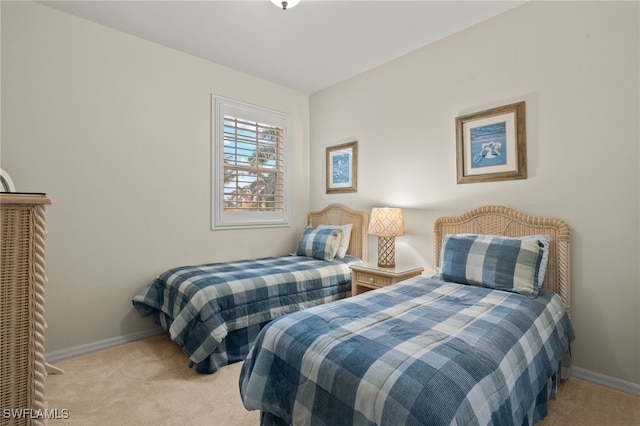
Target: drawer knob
column 371, row 279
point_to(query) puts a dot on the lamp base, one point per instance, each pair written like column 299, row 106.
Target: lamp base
column 386, row 252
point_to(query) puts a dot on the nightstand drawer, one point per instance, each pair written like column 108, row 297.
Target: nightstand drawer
column 369, row 276
column 372, row 280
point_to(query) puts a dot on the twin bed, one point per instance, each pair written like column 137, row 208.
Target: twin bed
column 215, row 311
column 480, row 343
column 430, row 351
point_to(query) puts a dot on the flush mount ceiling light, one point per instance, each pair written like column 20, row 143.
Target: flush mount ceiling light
column 285, row 4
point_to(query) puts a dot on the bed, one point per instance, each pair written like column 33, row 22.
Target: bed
column 214, row 311
column 430, row 350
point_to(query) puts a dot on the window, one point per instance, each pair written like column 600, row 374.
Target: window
column 250, row 147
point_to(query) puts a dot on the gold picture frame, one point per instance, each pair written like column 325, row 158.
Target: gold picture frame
column 342, row 168
column 491, row 144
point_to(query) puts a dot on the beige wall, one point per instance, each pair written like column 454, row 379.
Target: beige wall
column 116, row 130
column 576, row 66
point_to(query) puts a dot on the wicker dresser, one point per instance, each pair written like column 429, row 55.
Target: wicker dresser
column 22, row 322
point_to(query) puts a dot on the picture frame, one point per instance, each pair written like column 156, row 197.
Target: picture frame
column 342, row 168
column 491, row 144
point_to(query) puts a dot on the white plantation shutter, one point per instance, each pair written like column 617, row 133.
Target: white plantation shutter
column 253, row 166
column 250, row 149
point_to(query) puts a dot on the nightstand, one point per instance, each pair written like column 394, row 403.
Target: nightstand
column 369, row 276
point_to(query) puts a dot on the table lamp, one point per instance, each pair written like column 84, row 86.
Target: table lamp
column 386, row 223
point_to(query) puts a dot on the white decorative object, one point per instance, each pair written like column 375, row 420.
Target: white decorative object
column 6, row 184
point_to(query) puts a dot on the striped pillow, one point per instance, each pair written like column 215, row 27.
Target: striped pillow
column 515, row 264
column 320, row 244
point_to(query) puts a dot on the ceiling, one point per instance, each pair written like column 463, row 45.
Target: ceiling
column 309, row 47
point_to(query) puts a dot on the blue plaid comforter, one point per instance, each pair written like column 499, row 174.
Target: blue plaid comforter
column 420, row 352
column 201, row 305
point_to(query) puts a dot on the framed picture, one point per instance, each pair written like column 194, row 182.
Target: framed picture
column 342, row 168
column 491, row 145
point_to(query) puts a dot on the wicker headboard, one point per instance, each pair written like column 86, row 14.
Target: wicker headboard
column 499, row 220
column 339, row 214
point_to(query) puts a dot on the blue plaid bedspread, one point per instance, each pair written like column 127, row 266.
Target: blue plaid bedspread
column 420, row 352
column 200, row 305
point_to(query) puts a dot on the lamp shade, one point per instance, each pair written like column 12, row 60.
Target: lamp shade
column 386, row 222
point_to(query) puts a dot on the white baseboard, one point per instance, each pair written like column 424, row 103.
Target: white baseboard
column 607, row 381
column 61, row 355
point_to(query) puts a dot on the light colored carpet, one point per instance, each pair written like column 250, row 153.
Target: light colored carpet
column 581, row 403
column 147, row 382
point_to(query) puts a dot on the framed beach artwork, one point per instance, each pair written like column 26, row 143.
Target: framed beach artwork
column 491, row 145
column 342, row 168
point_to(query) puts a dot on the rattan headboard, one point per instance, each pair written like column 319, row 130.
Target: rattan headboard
column 499, row 220
column 339, row 214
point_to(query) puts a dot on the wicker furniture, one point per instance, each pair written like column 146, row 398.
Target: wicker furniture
column 500, row 220
column 22, row 321
column 369, row 276
column 232, row 294
column 335, row 214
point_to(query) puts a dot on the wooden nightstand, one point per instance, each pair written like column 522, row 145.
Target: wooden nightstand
column 369, row 276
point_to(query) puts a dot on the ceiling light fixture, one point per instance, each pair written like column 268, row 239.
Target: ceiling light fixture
column 285, row 4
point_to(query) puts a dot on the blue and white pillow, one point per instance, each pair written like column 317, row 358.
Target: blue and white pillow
column 516, row 264
column 344, row 240
column 320, row 244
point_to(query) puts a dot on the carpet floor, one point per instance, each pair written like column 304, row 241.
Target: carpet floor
column 147, row 382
